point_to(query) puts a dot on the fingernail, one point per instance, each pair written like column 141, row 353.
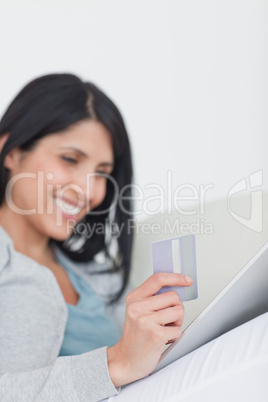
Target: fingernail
column 188, row 279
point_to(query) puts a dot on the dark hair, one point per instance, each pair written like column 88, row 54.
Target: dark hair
column 50, row 104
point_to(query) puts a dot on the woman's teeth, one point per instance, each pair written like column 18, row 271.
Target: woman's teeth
column 66, row 207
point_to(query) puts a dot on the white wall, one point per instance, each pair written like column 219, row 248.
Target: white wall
column 190, row 77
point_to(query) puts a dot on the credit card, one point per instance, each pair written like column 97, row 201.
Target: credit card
column 177, row 255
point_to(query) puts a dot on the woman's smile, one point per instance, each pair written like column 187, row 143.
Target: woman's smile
column 67, row 208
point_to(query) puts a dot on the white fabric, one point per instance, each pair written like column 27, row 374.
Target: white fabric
column 233, row 367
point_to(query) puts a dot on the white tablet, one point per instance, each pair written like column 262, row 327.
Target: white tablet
column 243, row 299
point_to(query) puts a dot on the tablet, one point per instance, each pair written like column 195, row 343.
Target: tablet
column 243, row 299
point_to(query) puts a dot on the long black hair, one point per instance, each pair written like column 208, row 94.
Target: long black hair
column 51, row 104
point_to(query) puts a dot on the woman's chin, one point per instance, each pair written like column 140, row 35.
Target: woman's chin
column 62, row 232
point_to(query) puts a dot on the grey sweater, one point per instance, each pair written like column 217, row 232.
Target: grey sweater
column 33, row 316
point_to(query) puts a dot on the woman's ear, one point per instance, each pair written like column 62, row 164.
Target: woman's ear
column 9, row 158
column 3, row 139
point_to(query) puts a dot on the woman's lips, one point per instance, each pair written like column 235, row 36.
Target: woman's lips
column 68, row 208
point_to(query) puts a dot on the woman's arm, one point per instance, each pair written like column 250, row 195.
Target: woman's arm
column 32, row 323
column 78, row 378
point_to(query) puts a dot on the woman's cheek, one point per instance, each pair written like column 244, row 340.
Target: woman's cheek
column 59, row 178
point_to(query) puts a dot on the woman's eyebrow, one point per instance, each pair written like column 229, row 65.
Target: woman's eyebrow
column 111, row 164
column 76, row 150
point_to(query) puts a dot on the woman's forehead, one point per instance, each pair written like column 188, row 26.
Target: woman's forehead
column 86, row 138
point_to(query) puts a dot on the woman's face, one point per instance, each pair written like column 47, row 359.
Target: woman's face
column 56, row 183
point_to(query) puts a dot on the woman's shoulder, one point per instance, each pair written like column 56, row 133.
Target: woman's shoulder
column 17, row 268
column 33, row 313
column 24, row 275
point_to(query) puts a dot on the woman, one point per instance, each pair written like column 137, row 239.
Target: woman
column 65, row 176
column 65, row 159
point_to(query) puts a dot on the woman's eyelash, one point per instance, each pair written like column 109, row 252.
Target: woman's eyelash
column 69, row 159
column 104, row 173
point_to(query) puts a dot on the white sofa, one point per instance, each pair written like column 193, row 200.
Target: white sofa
column 223, row 245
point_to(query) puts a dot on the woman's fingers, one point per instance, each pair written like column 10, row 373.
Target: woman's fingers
column 159, row 302
column 155, row 282
column 157, row 308
column 151, row 322
column 166, row 316
column 171, row 334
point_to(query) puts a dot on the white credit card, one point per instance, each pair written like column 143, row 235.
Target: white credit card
column 177, row 255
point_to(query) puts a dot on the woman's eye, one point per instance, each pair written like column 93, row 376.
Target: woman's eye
column 69, row 159
column 102, row 174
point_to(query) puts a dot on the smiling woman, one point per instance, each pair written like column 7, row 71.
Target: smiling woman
column 68, row 332
column 65, row 157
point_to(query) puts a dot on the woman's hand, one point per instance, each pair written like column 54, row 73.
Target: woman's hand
column 150, row 323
